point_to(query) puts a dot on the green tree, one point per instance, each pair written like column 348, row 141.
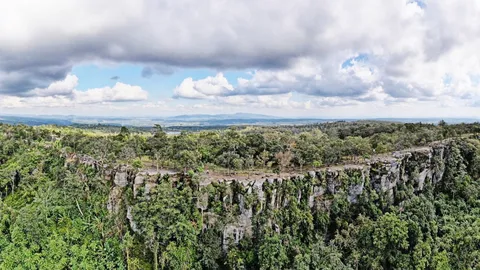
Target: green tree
column 272, row 253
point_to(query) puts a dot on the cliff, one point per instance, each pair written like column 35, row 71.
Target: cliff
column 383, row 180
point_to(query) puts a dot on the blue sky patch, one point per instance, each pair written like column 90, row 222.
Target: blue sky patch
column 363, row 57
column 158, row 86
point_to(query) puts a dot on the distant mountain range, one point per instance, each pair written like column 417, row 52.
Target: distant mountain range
column 199, row 120
column 206, row 117
column 179, row 120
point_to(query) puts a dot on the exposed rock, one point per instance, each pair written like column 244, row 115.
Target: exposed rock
column 149, row 186
column 114, row 200
column 354, row 191
column 422, row 177
column 332, row 181
column 133, row 225
column 120, row 179
column 232, row 235
column 138, row 182
column 318, row 192
column 382, row 173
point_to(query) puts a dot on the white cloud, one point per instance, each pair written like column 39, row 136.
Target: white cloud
column 413, row 54
column 364, row 78
column 35, row 102
column 119, row 93
column 63, row 94
column 155, row 105
column 204, row 88
column 282, row 101
column 308, row 76
column 59, row 88
column 10, row 102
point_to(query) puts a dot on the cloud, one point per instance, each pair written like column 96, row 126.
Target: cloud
column 338, row 52
column 283, row 101
column 147, row 72
column 119, row 93
column 59, row 88
column 204, row 88
column 35, row 49
column 358, row 78
column 64, row 94
column 115, row 78
column 23, row 77
column 308, row 76
column 10, row 102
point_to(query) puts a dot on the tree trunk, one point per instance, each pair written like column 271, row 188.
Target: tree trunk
column 155, row 256
column 128, row 258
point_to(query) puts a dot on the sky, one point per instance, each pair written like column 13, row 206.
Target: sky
column 303, row 58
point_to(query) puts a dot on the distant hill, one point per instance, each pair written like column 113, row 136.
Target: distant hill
column 207, row 117
column 197, row 120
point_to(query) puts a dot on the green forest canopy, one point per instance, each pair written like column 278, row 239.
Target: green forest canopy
column 54, row 216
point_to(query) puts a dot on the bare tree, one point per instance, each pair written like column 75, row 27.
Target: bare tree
column 284, row 159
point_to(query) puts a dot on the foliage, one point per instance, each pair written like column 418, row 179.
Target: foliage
column 54, row 215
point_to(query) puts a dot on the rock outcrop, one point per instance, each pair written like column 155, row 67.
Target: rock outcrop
column 383, row 174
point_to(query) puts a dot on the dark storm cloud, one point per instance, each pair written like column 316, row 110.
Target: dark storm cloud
column 161, row 35
column 20, row 81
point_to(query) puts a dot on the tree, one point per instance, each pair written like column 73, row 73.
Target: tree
column 127, row 153
column 187, row 158
column 165, row 221
column 158, row 155
column 229, row 160
column 137, row 163
column 237, row 163
column 234, row 259
column 284, row 159
column 101, row 149
column 390, row 239
column 272, row 254
column 301, row 161
column 264, row 157
column 124, row 133
column 326, row 257
column 249, row 163
column 178, row 257
column 316, row 163
column 159, row 141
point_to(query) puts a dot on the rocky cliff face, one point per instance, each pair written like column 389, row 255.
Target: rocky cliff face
column 385, row 175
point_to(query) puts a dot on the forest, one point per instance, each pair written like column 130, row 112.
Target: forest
column 340, row 195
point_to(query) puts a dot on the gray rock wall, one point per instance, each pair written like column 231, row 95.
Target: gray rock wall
column 383, row 174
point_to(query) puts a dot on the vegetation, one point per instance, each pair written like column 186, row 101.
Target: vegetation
column 267, row 148
column 57, row 212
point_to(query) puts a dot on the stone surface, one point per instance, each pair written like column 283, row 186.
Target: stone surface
column 120, row 179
